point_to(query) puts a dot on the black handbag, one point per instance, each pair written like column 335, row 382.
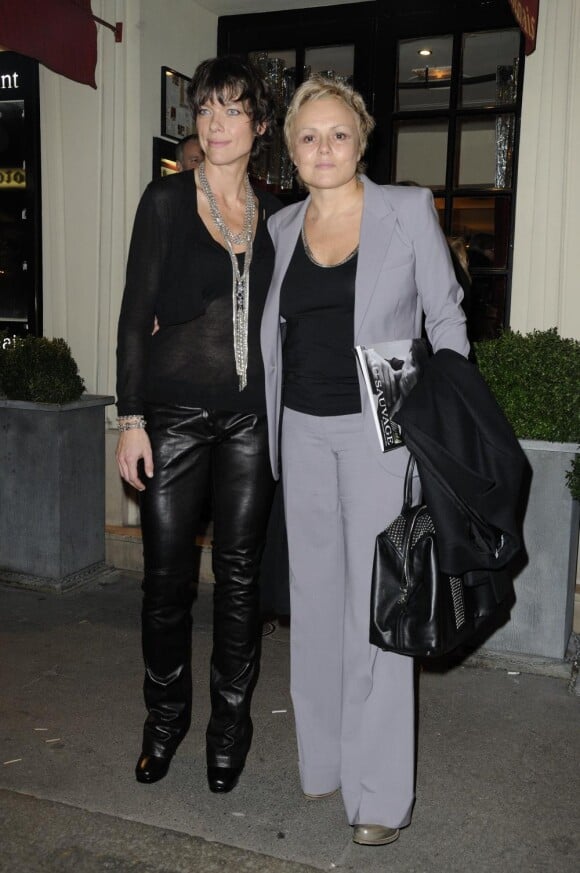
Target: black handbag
column 415, row 608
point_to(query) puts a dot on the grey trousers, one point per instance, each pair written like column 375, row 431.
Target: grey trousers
column 353, row 703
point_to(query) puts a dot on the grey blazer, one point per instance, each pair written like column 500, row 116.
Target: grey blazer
column 403, row 270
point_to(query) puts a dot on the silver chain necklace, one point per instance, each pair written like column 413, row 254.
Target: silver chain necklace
column 240, row 281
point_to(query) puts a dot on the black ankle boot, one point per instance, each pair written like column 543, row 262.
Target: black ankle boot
column 223, row 779
column 151, row 768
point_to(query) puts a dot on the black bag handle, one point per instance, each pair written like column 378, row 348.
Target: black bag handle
column 408, row 487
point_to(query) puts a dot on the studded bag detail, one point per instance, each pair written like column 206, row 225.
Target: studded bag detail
column 415, row 608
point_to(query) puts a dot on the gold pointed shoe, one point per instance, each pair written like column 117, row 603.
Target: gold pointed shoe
column 374, row 835
column 320, row 796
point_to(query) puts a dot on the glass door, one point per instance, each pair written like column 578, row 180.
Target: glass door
column 289, row 47
column 455, row 121
column 444, row 83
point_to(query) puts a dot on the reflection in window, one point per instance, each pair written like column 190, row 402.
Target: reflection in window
column 440, row 207
column 486, row 151
column 466, row 83
column 273, row 167
column 487, row 310
column 11, row 133
column 504, row 150
column 13, row 264
column 334, row 62
column 14, row 250
column 490, row 68
column 477, row 152
column 421, row 152
column 279, row 71
column 424, row 73
column 483, row 222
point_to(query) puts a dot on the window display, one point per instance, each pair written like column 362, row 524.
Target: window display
column 20, row 232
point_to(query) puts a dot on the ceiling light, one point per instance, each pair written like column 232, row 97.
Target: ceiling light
column 425, row 52
column 429, row 74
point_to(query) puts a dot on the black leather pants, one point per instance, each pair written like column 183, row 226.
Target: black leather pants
column 193, row 449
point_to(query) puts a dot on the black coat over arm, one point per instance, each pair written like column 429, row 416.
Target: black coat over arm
column 473, row 471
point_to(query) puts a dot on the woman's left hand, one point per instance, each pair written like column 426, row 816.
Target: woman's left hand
column 134, row 446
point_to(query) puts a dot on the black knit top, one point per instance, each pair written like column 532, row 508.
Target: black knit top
column 179, row 273
column 317, row 303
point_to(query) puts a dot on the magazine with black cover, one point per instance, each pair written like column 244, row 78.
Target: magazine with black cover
column 390, row 371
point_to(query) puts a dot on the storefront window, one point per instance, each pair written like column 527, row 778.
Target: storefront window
column 454, row 125
column 424, row 73
column 20, row 267
column 421, row 152
column 490, row 68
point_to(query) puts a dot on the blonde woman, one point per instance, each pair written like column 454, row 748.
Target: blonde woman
column 356, row 263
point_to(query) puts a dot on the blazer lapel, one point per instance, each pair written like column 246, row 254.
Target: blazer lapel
column 285, row 242
column 378, row 224
column 284, row 233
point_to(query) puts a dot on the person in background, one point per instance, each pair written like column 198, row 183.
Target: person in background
column 356, row 264
column 188, row 153
column 191, row 409
column 481, row 250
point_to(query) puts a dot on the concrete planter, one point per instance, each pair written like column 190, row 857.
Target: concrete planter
column 52, row 487
column 541, row 620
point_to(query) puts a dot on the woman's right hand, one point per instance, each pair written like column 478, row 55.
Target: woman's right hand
column 133, row 446
column 389, row 378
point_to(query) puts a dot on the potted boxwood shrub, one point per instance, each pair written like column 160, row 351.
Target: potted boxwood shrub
column 52, row 467
column 39, row 370
column 535, row 378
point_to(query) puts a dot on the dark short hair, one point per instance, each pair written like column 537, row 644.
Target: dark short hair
column 192, row 137
column 234, row 78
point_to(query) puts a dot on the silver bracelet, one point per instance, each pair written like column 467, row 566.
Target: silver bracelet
column 130, row 422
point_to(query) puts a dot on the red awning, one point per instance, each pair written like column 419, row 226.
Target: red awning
column 61, row 34
column 526, row 15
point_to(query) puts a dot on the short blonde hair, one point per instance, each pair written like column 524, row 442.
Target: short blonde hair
column 316, row 88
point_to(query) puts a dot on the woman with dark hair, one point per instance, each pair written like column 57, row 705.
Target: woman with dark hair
column 191, row 412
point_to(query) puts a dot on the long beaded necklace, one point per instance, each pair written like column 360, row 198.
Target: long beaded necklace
column 240, row 281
